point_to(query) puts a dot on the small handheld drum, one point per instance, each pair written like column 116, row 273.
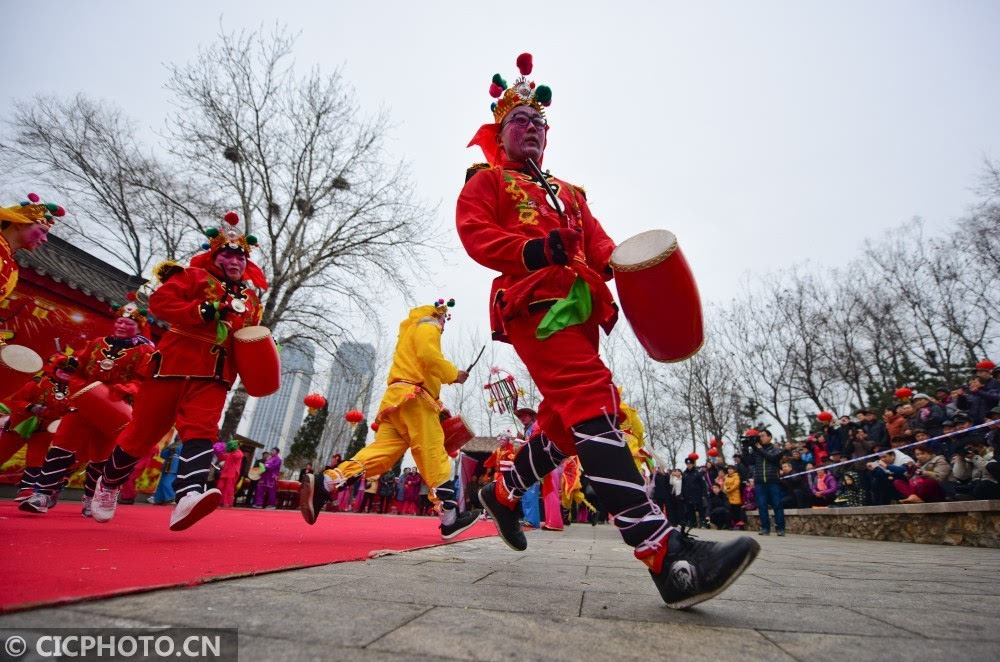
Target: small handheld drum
column 95, row 404
column 457, row 433
column 257, row 360
column 659, row 296
column 17, row 365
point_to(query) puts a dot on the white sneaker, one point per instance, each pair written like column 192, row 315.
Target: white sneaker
column 104, row 502
column 86, row 506
column 38, row 503
column 192, row 507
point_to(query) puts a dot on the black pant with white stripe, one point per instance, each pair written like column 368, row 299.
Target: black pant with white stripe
column 193, row 465
column 58, row 462
column 536, row 459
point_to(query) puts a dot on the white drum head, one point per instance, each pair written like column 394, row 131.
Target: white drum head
column 53, row 426
column 644, row 247
column 252, row 333
column 21, row 359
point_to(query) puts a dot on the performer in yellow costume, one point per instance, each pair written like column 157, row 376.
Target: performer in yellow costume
column 409, row 417
column 23, row 227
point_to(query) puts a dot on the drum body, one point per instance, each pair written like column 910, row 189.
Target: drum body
column 17, row 365
column 658, row 295
column 457, row 433
column 257, row 360
column 95, row 404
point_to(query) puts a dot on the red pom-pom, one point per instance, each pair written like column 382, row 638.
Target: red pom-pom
column 495, row 90
column 524, row 63
column 713, row 452
column 130, row 296
column 231, row 217
column 714, row 443
column 60, row 212
column 33, row 197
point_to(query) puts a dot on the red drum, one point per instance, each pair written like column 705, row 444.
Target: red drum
column 257, row 360
column 100, row 410
column 659, row 296
column 457, row 433
column 17, row 365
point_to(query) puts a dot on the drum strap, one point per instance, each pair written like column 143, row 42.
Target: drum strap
column 607, row 462
column 195, row 336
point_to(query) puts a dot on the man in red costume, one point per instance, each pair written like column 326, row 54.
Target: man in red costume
column 502, row 457
column 33, row 408
column 192, row 370
column 118, row 360
column 550, row 302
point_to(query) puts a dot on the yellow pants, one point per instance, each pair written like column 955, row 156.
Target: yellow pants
column 412, row 425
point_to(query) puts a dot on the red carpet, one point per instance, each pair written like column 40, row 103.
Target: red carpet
column 63, row 557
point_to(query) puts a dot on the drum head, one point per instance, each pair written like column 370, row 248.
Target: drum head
column 21, row 359
column 252, row 333
column 53, row 426
column 647, row 247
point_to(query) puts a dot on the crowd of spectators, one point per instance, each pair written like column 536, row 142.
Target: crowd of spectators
column 818, row 471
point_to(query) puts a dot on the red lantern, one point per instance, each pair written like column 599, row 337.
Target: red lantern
column 354, row 417
column 715, row 443
column 824, row 417
column 713, row 452
column 315, row 402
column 693, row 456
column 904, row 393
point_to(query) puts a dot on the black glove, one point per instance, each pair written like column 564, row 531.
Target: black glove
column 557, row 248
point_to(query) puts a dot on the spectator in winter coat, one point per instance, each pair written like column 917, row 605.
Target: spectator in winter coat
column 925, row 483
column 895, row 422
column 661, row 487
column 766, row 458
column 694, row 491
column 731, row 485
column 929, row 415
column 885, row 472
column 850, row 494
column 719, row 512
column 975, row 400
column 796, row 490
column 749, row 496
column 386, row 491
column 823, row 486
column 675, row 502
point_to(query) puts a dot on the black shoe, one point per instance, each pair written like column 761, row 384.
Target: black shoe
column 462, row 522
column 504, row 518
column 693, row 571
column 762, row 532
column 312, row 497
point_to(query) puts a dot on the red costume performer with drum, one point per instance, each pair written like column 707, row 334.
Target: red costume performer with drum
column 102, row 389
column 207, row 305
column 550, row 302
column 34, row 410
column 22, row 227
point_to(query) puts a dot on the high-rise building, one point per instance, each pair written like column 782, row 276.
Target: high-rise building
column 276, row 418
column 351, row 380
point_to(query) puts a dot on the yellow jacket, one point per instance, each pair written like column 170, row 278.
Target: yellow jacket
column 418, row 367
column 731, row 486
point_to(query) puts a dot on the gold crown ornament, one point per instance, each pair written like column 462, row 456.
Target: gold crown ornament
column 131, row 310
column 443, row 308
column 229, row 237
column 522, row 93
column 33, row 211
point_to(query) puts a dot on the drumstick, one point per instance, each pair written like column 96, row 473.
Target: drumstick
column 478, row 356
column 544, row 182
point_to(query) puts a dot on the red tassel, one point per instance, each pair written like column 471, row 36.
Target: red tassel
column 524, row 63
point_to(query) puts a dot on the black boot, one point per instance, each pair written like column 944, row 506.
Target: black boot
column 312, row 497
column 504, row 517
column 687, row 571
column 462, row 522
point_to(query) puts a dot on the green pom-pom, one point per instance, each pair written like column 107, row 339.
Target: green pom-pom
column 143, row 312
column 52, row 207
column 543, row 93
column 232, row 445
column 115, row 305
column 498, row 79
column 252, row 240
column 212, row 233
column 451, row 303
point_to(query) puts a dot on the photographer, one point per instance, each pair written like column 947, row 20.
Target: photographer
column 765, row 458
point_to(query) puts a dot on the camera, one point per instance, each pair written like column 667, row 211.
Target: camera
column 749, row 441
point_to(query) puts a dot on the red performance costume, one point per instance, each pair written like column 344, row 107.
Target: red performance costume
column 191, row 371
column 33, row 409
column 119, row 361
column 550, row 302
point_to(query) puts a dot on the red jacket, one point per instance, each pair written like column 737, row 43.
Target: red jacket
column 112, row 361
column 192, row 349
column 499, row 211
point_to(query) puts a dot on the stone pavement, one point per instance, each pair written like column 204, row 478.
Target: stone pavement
column 579, row 595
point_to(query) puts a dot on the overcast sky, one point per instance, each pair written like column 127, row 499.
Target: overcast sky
column 760, row 133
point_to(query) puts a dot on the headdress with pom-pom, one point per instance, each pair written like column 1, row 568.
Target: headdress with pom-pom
column 33, row 211
column 522, row 93
column 443, row 308
column 230, row 237
column 131, row 309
